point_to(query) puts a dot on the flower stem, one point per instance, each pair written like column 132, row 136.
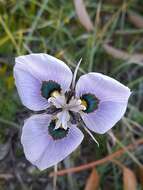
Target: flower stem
column 55, row 177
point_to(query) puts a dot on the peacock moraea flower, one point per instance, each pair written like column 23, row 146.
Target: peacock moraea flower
column 45, row 83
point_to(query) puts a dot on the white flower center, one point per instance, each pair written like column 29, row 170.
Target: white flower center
column 63, row 117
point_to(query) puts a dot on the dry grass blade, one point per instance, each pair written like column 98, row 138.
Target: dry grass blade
column 120, row 54
column 129, row 179
column 83, row 15
column 93, row 181
column 98, row 12
column 135, row 19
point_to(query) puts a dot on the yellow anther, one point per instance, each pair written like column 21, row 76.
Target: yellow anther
column 55, row 93
column 84, row 103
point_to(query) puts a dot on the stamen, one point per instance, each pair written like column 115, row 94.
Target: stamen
column 83, row 108
column 55, row 93
column 79, row 101
column 84, row 103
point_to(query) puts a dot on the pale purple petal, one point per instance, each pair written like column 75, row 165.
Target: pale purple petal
column 29, row 90
column 45, row 67
column 113, row 98
column 105, row 88
column 31, row 70
column 105, row 117
column 40, row 148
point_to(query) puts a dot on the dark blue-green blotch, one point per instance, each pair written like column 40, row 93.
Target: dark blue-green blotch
column 57, row 133
column 91, row 101
column 48, row 87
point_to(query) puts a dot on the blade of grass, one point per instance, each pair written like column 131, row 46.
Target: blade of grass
column 36, row 20
column 10, row 35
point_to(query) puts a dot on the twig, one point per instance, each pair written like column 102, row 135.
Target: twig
column 98, row 162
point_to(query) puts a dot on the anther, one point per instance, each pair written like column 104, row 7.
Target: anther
column 55, row 93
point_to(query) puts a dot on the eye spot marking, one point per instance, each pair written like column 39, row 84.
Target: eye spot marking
column 56, row 134
column 90, row 101
column 49, row 88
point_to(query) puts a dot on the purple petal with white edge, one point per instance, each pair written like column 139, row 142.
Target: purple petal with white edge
column 113, row 98
column 40, row 148
column 103, row 87
column 34, row 69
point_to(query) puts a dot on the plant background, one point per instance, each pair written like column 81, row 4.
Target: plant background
column 113, row 45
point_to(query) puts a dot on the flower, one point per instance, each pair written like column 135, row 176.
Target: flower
column 46, row 83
